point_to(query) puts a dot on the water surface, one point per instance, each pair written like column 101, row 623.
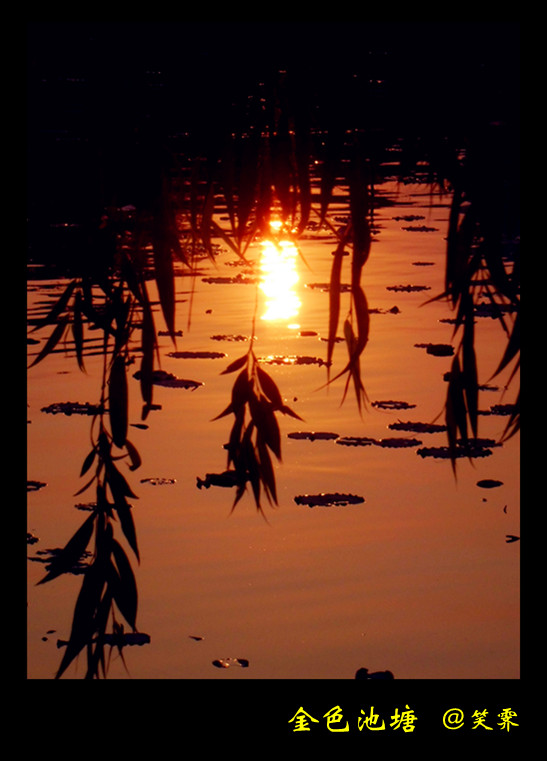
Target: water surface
column 418, row 578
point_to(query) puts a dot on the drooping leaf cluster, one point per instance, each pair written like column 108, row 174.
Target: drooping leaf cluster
column 255, row 434
column 482, row 270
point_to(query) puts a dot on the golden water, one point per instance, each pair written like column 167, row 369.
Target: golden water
column 418, row 579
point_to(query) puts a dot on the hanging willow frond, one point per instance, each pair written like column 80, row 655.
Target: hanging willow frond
column 255, row 434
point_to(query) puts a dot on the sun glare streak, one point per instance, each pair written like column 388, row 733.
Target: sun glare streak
column 279, row 278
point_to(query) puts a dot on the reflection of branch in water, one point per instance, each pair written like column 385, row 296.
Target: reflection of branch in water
column 252, row 172
column 255, row 433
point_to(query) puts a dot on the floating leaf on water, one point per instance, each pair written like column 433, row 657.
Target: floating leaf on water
column 196, row 354
column 493, row 310
column 159, row 481
column 73, row 408
column 417, row 427
column 407, row 288
column 163, row 378
column 437, row 350
column 227, row 479
column 122, row 639
column 291, row 360
column 398, row 443
column 363, row 673
column 224, row 663
column 87, row 507
column 50, row 559
column 458, row 451
column 392, row 310
column 195, row 637
column 312, row 435
column 393, row 405
column 355, row 441
column 225, row 280
column 342, row 287
column 420, row 229
column 502, row 409
column 230, row 337
column 489, row 483
column 328, row 499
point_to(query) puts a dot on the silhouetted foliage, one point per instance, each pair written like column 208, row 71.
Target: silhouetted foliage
column 149, row 209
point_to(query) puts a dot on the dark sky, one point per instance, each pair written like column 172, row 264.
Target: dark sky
column 93, row 85
column 466, row 61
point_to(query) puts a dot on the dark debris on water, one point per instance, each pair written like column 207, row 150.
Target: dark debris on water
column 460, row 450
column 392, row 405
column 49, row 558
column 417, row 427
column 122, row 639
column 73, row 408
column 408, row 288
column 226, row 479
column 313, row 435
column 363, row 673
column 197, row 354
column 224, row 663
column 489, row 483
column 328, row 499
column 292, row 360
column 159, row 481
column 230, row 337
column 163, row 378
column 437, row 350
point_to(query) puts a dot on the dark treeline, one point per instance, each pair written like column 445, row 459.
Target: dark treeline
column 107, row 99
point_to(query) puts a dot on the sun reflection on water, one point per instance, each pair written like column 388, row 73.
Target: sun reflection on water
column 279, row 277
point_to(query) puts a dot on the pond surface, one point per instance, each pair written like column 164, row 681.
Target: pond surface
column 416, row 573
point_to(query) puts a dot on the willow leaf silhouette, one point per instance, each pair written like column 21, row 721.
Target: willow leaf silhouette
column 65, row 560
column 237, row 364
column 334, row 300
column 77, row 330
column 84, row 623
column 56, row 335
column 512, row 349
column 163, row 265
column 134, row 456
column 123, row 511
column 125, row 587
column 88, row 462
column 255, row 398
column 58, row 308
column 118, row 401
